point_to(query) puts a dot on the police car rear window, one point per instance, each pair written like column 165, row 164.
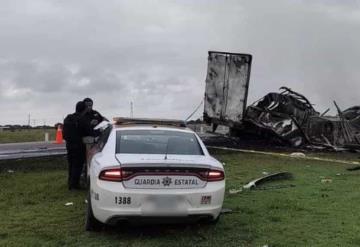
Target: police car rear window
column 157, row 142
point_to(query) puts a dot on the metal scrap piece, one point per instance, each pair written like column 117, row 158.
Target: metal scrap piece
column 274, row 187
column 235, row 191
column 275, row 176
column 226, row 210
column 297, row 155
column 354, row 168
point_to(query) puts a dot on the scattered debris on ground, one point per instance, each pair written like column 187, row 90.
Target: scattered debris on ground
column 235, row 191
column 209, row 145
column 272, row 177
column 354, row 168
column 226, row 211
column 274, row 187
column 69, row 204
column 326, row 180
column 298, row 155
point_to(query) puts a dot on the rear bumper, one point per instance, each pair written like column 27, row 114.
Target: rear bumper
column 140, row 220
column 155, row 204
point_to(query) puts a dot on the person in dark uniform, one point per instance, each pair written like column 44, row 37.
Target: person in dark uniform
column 92, row 117
column 73, row 132
column 87, row 123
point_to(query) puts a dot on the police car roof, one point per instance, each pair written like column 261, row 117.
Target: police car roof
column 122, row 122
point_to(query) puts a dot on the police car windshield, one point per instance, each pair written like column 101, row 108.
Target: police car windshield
column 157, row 142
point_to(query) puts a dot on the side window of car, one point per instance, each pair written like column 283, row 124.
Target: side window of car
column 103, row 138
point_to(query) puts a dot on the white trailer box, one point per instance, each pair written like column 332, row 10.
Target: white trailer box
column 226, row 89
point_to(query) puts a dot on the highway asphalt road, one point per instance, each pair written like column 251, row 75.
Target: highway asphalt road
column 30, row 150
column 40, row 149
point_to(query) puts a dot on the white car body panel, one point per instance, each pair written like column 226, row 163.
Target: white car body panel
column 154, row 200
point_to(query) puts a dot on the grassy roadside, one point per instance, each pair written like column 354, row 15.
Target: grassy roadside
column 31, row 135
column 311, row 213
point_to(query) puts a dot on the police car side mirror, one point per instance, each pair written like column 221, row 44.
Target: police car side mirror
column 88, row 140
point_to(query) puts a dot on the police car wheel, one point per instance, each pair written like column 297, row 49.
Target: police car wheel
column 91, row 223
column 213, row 220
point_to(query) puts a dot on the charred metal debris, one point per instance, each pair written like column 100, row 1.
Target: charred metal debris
column 290, row 117
column 258, row 182
column 272, row 177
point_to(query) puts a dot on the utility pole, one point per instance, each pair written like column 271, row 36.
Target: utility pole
column 29, row 119
column 131, row 109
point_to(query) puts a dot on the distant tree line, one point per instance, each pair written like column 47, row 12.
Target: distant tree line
column 18, row 127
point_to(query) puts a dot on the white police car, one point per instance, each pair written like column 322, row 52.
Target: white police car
column 141, row 168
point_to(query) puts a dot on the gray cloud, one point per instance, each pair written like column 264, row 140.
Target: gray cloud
column 154, row 53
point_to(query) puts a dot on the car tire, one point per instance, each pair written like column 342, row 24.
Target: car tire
column 213, row 221
column 91, row 223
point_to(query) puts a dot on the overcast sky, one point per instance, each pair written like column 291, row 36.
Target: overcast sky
column 154, row 53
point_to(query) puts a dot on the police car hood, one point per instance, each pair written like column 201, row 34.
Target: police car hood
column 162, row 160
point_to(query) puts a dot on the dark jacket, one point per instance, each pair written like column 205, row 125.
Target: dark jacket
column 73, row 131
column 94, row 115
column 87, row 123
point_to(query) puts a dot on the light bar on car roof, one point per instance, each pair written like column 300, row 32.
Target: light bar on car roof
column 149, row 121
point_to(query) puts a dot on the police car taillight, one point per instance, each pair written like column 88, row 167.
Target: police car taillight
column 114, row 174
column 215, row 175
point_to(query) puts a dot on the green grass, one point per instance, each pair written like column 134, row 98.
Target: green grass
column 311, row 213
column 31, row 135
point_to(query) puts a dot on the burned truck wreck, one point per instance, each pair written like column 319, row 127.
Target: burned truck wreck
column 226, row 89
column 281, row 115
column 286, row 117
column 290, row 117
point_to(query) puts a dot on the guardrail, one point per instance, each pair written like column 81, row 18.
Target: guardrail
column 31, row 153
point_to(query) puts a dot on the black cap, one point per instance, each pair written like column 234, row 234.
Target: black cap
column 80, row 106
column 88, row 100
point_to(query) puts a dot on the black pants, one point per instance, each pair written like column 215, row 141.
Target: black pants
column 76, row 159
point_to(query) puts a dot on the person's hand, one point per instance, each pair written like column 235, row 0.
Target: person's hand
column 94, row 122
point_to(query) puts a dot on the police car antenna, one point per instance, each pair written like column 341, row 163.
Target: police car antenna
column 166, row 151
